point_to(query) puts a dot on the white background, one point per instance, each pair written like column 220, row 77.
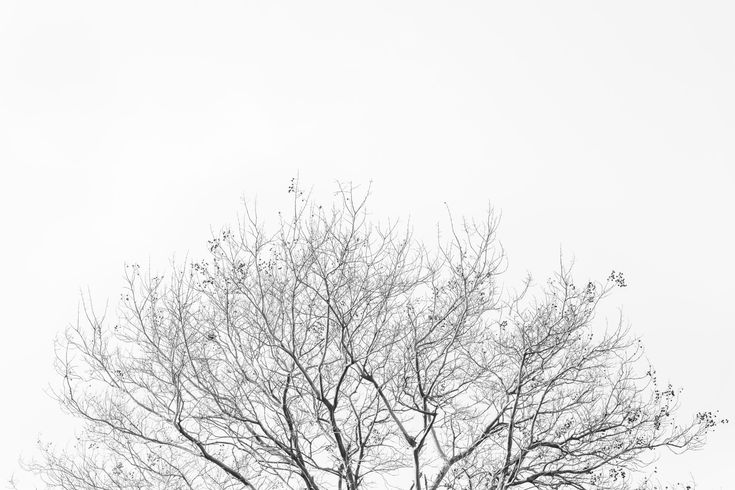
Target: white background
column 129, row 130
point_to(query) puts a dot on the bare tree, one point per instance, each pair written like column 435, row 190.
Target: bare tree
column 336, row 353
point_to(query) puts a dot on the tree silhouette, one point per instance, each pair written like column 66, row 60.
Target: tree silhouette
column 333, row 352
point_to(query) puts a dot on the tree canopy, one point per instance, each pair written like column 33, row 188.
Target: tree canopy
column 331, row 352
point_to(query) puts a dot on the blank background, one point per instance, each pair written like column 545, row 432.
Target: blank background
column 130, row 130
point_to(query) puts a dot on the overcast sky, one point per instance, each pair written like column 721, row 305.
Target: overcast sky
column 129, row 130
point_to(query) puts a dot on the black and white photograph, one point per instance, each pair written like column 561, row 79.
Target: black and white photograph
column 324, row 245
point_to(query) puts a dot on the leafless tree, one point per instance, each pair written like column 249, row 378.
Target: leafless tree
column 333, row 352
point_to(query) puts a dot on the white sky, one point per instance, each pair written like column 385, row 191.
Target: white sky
column 128, row 129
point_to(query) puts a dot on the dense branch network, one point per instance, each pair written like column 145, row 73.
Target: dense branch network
column 335, row 353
